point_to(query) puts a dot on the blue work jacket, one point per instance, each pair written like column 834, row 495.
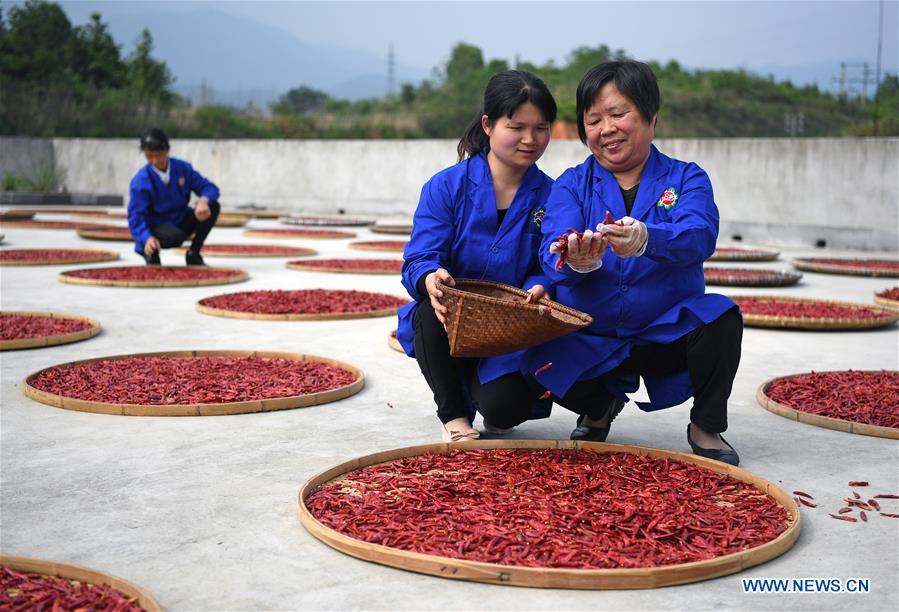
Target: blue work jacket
column 655, row 298
column 455, row 228
column 153, row 202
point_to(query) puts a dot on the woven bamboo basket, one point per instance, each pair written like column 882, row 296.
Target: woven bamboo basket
column 204, row 409
column 815, row 323
column 763, row 278
column 858, row 267
column 819, row 420
column 69, row 571
column 96, row 255
column 564, row 578
column 485, row 318
column 327, row 220
column 41, row 341
column 731, row 252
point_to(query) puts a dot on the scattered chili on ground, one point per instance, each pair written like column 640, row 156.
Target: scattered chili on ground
column 550, row 508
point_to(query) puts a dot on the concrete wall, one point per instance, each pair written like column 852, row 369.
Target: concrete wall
column 778, row 191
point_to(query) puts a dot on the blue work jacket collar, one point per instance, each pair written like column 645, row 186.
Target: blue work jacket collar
column 651, row 185
column 484, row 194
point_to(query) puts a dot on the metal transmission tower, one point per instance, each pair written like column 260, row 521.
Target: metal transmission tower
column 877, row 71
column 847, row 84
column 391, row 72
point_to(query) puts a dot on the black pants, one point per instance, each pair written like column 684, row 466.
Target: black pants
column 504, row 402
column 711, row 355
column 174, row 235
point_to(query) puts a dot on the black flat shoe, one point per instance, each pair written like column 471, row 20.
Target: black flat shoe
column 725, row 455
column 193, row 259
column 596, row 434
column 153, row 260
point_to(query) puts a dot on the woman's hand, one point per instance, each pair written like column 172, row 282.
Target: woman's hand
column 535, row 293
column 202, row 211
column 585, row 252
column 627, row 236
column 151, row 246
column 435, row 294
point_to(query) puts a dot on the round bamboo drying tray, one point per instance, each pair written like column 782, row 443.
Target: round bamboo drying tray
column 210, row 250
column 551, row 577
column 312, row 234
column 2, row 236
column 230, row 220
column 757, row 278
column 118, row 234
column 309, row 266
column 391, row 246
column 41, row 341
column 730, row 252
column 326, row 220
column 815, row 323
column 884, row 301
column 16, row 215
column 258, row 214
column 103, row 214
column 818, row 420
column 237, row 277
column 391, row 229
column 69, row 571
column 261, row 316
column 393, row 343
column 57, row 225
column 210, row 409
column 98, row 255
column 810, row 265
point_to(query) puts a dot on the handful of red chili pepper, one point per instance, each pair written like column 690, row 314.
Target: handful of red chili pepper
column 561, row 243
column 30, row 591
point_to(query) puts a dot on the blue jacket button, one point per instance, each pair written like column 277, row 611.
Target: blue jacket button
column 624, row 288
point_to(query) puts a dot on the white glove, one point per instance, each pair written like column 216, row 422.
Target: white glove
column 585, row 253
column 627, row 236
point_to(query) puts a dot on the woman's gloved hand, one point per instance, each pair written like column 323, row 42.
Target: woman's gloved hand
column 582, row 253
column 627, row 237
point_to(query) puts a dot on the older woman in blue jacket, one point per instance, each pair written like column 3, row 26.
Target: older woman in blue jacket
column 480, row 219
column 640, row 276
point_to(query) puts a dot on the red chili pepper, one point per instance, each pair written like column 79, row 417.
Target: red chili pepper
column 844, row 510
column 844, row 518
column 609, row 220
column 15, row 327
column 46, row 254
column 152, row 273
column 31, row 591
column 304, row 301
column 863, row 516
column 543, row 368
column 873, row 503
column 858, row 483
column 878, row 264
column 890, row 294
column 805, row 502
column 889, row 515
column 803, row 494
column 810, row 309
column 886, row 496
column 545, row 395
column 255, row 249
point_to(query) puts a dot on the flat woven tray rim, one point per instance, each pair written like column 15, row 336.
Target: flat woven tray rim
column 210, row 409
column 767, row 278
column 238, row 277
column 307, row 266
column 860, row 270
column 815, row 323
column 53, row 225
column 373, row 246
column 393, row 343
column 99, row 255
column 42, row 341
column 886, row 301
column 391, row 229
column 70, row 571
column 746, row 254
column 818, row 420
column 551, row 577
column 333, row 316
column 14, row 215
column 276, row 233
column 299, row 252
column 104, row 235
column 326, row 221
column 231, row 221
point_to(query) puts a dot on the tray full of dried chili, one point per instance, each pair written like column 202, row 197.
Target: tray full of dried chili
column 16, row 215
column 888, row 297
column 327, row 220
column 393, row 343
column 548, row 513
column 153, row 276
column 485, row 318
column 194, row 383
column 256, row 213
column 854, row 267
column 853, row 401
column 301, row 304
column 810, row 313
column 26, row 329
column 103, row 214
column 27, row 583
column 385, row 228
column 291, row 232
column 732, row 252
column 747, row 277
column 226, row 220
column 51, row 257
column 112, row 234
column 393, row 246
column 349, row 266
column 60, row 225
column 253, row 250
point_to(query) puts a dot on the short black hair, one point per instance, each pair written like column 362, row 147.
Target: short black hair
column 634, row 79
column 154, row 139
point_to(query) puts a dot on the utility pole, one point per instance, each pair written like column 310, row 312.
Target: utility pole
column 877, row 73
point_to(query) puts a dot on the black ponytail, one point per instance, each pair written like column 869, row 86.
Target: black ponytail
column 505, row 92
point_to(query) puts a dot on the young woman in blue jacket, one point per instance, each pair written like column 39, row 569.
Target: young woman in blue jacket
column 480, row 219
column 158, row 213
column 640, row 277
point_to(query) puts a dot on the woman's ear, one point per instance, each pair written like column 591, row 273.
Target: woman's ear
column 655, row 120
column 485, row 124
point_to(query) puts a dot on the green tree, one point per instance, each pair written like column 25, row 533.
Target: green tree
column 300, row 101
column 147, row 78
column 36, row 46
column 96, row 56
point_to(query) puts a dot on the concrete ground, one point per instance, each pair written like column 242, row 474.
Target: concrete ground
column 201, row 511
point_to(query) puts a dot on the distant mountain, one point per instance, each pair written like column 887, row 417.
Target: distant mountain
column 241, row 59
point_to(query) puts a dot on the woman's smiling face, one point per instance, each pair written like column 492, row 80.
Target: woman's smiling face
column 520, row 140
column 617, row 134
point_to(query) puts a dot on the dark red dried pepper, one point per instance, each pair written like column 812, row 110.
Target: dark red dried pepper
column 31, row 591
column 16, row 327
column 304, row 301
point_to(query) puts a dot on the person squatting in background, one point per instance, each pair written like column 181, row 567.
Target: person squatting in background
column 159, row 215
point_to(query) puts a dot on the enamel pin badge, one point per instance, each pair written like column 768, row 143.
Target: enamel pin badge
column 668, row 198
